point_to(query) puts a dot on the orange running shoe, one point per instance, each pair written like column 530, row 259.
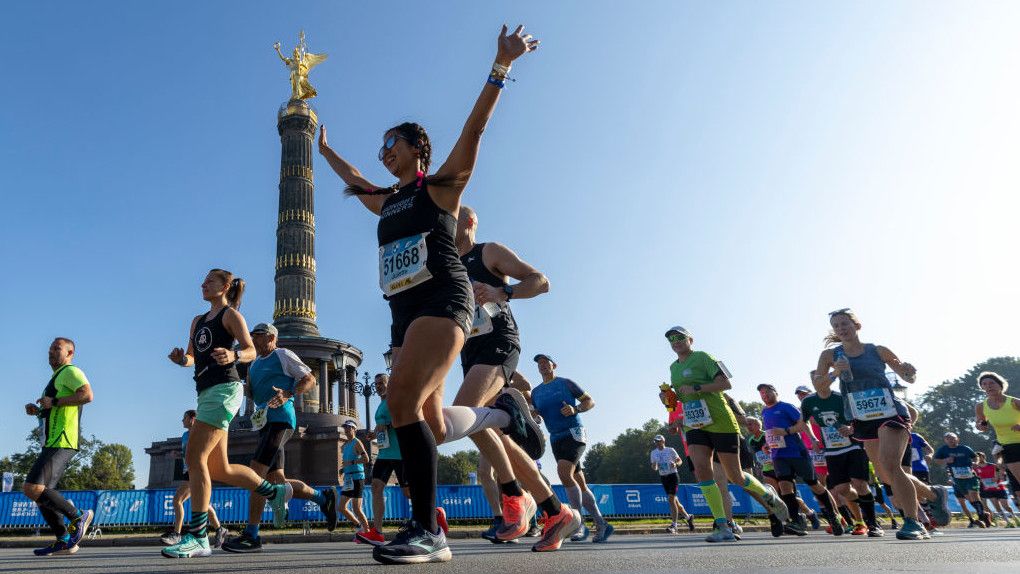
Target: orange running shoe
column 441, row 520
column 517, row 513
column 859, row 529
column 557, row 529
column 370, row 536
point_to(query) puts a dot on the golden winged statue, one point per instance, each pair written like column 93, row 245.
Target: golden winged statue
column 300, row 63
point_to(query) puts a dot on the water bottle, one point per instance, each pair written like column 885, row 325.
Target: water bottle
column 838, row 354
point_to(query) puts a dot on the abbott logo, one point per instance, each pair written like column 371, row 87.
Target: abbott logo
column 633, row 496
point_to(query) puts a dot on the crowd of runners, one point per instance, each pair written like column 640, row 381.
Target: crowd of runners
column 450, row 296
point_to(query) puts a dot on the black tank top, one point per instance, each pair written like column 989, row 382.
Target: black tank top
column 409, row 212
column 503, row 325
column 210, row 334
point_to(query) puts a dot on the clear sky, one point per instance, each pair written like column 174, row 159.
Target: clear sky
column 738, row 168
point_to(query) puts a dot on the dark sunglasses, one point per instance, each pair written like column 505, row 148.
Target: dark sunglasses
column 842, row 311
column 389, row 143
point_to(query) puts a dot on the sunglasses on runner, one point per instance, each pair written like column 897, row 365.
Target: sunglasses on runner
column 676, row 337
column 389, row 143
column 840, row 311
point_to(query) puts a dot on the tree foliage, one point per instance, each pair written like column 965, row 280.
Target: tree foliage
column 97, row 466
column 454, row 469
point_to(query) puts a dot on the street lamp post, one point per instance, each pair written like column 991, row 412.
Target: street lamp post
column 898, row 388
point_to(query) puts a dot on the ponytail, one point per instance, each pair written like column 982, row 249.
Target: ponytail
column 235, row 286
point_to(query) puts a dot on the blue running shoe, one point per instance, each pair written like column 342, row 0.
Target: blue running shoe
column 57, row 548
column 414, row 545
column 603, row 534
column 911, row 530
column 80, row 526
column 189, row 547
column 581, row 535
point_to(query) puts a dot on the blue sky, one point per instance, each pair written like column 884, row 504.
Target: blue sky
column 738, row 168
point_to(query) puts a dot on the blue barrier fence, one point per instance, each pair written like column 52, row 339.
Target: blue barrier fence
column 155, row 507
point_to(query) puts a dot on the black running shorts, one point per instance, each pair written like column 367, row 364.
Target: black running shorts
column 452, row 301
column 384, row 468
column 568, row 449
column 491, row 351
column 843, row 467
column 357, row 487
column 50, row 466
column 718, row 441
column 270, row 450
column 868, row 430
column 790, row 469
column 670, row 482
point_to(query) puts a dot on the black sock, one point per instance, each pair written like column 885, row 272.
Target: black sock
column 844, row 511
column 512, row 488
column 980, row 508
column 418, row 446
column 826, row 501
column 867, row 504
column 903, row 516
column 52, row 500
column 550, row 506
column 791, row 504
column 55, row 521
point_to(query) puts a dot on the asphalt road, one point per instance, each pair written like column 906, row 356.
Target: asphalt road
column 970, row 551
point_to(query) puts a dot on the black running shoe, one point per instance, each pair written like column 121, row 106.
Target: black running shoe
column 874, row 531
column 836, row 524
column 690, row 522
column 243, row 544
column 775, row 526
column 329, row 508
column 413, row 545
column 522, row 429
column 792, row 527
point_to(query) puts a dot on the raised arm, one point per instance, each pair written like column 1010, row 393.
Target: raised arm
column 276, row 47
column 350, row 174
column 461, row 161
column 822, row 380
column 906, row 371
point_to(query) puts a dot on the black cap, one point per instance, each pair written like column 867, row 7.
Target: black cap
column 767, row 386
column 544, row 356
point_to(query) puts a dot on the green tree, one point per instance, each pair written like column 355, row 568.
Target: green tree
column 454, row 469
column 97, row 466
column 949, row 406
column 751, row 408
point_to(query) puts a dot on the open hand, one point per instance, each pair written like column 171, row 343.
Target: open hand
column 277, row 401
column 509, row 47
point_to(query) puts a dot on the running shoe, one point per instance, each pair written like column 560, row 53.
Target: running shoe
column 835, row 525
column 413, row 544
column 939, row 507
column 690, row 522
column 986, row 518
column 56, row 548
column 355, row 539
column 721, row 532
column 671, row 529
column 936, row 532
column 371, row 536
column 874, row 531
column 774, row 504
column 522, row 429
column 603, row 532
column 793, row 527
column 517, row 513
column 775, row 526
column 219, row 537
column 735, row 528
column 441, row 520
column 581, row 535
column 911, row 530
column 170, row 537
column 189, row 547
column 243, row 544
column 329, row 508
column 1009, row 524
column 859, row 529
column 533, row 531
column 283, row 493
column 557, row 528
column 895, row 525
column 490, row 533
column 815, row 523
column 973, row 524
column 80, row 526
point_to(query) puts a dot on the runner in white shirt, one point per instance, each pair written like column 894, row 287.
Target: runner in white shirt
column 665, row 460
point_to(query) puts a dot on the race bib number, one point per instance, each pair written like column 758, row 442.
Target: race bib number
column 258, row 418
column 818, row 458
column 775, row 441
column 665, row 468
column 990, row 483
column 402, row 264
column 872, row 404
column 482, row 323
column 832, row 438
column 580, row 434
column 962, row 472
column 696, row 414
column 762, row 457
column 383, row 440
column 348, row 483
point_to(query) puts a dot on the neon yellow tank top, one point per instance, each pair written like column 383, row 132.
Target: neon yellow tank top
column 1003, row 419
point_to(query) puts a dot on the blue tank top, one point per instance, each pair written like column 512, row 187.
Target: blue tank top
column 868, row 371
column 352, row 471
column 917, row 462
column 548, row 399
column 264, row 373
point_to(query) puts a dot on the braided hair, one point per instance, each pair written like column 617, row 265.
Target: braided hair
column 417, row 137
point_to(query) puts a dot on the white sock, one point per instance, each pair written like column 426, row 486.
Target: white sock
column 466, row 421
